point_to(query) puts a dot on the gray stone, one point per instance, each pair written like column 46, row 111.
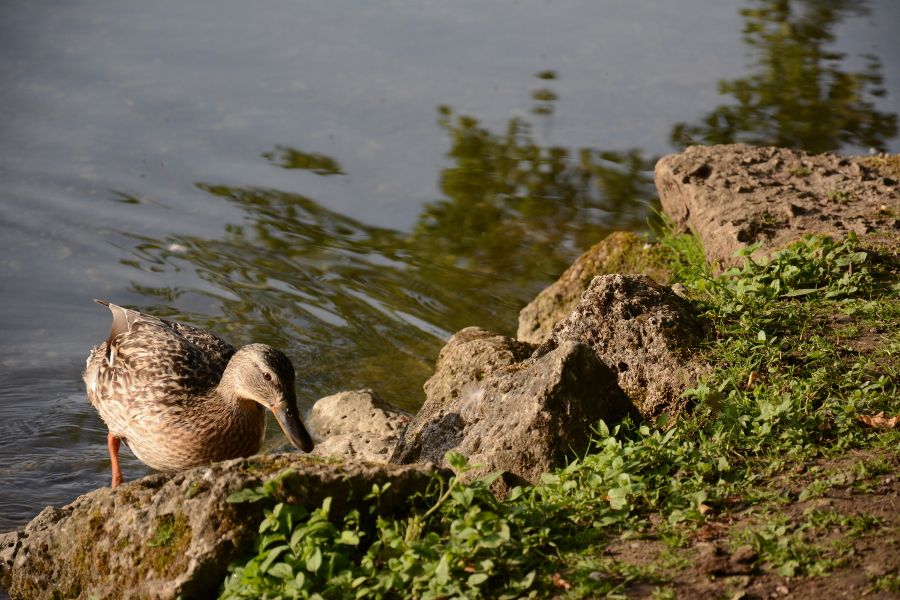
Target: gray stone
column 471, row 355
column 356, row 425
column 643, row 332
column 508, row 413
column 736, row 195
column 173, row 535
column 9, row 545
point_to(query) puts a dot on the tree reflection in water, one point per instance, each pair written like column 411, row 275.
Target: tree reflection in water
column 364, row 306
column 521, row 211
column 361, row 306
column 799, row 94
column 341, row 297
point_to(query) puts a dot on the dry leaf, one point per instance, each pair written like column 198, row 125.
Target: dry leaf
column 880, row 421
column 559, row 582
column 753, row 378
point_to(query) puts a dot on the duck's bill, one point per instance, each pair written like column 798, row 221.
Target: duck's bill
column 289, row 419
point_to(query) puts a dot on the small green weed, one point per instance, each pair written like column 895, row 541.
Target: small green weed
column 853, row 525
column 819, row 487
column 784, row 547
column 840, row 196
column 663, row 593
column 887, row 583
column 868, row 474
column 165, row 532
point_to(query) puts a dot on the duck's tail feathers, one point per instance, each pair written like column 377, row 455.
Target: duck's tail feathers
column 123, row 319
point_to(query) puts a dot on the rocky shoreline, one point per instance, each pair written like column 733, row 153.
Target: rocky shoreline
column 608, row 339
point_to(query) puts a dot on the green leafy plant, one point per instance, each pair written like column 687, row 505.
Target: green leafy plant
column 785, row 548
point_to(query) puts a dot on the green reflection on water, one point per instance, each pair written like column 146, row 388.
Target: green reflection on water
column 328, row 289
column 798, row 95
column 361, row 306
column 291, row 158
column 522, row 210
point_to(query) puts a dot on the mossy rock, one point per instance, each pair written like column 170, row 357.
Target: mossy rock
column 173, row 535
column 620, row 252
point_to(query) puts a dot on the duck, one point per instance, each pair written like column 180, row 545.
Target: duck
column 179, row 396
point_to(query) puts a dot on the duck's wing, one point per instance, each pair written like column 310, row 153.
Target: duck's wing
column 149, row 360
column 217, row 350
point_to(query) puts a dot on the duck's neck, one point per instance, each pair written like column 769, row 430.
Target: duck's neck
column 241, row 420
column 239, row 417
column 228, row 383
column 231, row 400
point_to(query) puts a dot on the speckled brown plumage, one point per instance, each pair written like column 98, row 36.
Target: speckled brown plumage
column 179, row 396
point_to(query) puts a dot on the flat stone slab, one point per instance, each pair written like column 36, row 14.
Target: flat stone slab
column 736, row 195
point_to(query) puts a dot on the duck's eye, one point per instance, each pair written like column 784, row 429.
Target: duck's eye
column 267, row 376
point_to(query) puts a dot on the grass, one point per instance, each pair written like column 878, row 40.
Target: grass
column 782, row 394
column 887, row 583
column 784, row 547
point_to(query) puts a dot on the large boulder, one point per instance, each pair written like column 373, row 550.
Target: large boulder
column 736, row 195
column 508, row 413
column 173, row 535
column 644, row 333
column 619, row 252
column 356, row 425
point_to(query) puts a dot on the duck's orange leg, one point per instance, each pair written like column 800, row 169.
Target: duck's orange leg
column 113, row 444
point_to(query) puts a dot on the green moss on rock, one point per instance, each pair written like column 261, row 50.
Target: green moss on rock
column 171, row 540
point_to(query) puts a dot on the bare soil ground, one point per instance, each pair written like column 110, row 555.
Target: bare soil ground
column 862, row 488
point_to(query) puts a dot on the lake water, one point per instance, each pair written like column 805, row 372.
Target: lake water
column 355, row 181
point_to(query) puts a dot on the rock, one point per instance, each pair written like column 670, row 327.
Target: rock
column 736, row 195
column 472, row 355
column 744, row 555
column 510, row 408
column 508, row 413
column 173, row 535
column 620, row 252
column 714, row 560
column 356, row 425
column 9, row 545
column 644, row 333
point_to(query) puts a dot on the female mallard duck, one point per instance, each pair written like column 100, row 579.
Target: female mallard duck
column 182, row 397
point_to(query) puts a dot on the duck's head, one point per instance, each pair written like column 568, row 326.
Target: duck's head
column 265, row 375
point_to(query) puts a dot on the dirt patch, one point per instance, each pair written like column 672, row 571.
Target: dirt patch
column 840, row 515
column 857, row 337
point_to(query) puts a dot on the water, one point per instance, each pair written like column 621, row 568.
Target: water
column 353, row 182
